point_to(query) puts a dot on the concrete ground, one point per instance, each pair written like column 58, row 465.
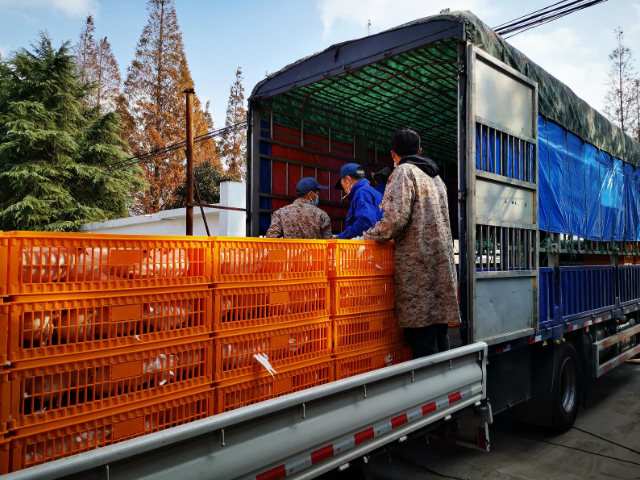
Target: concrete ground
column 604, row 444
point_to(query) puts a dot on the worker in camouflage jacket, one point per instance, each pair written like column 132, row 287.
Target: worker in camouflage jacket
column 302, row 219
column 417, row 218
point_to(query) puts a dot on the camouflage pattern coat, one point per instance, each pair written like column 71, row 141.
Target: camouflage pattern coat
column 417, row 218
column 301, row 220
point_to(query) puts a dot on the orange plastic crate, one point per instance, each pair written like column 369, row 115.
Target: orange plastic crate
column 44, row 262
column 50, row 326
column 232, row 395
column 265, row 259
column 241, row 306
column 5, row 446
column 283, row 346
column 348, row 258
column 38, row 445
column 372, row 359
column 5, row 395
column 364, row 331
column 44, row 393
column 349, row 296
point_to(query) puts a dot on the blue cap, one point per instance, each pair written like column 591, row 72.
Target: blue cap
column 308, row 184
column 347, row 169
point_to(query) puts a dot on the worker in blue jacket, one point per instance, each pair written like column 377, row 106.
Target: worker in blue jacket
column 365, row 210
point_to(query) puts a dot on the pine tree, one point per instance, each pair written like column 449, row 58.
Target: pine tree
column 98, row 66
column 56, row 155
column 233, row 149
column 154, row 88
column 619, row 98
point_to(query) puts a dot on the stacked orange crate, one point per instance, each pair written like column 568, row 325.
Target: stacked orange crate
column 366, row 335
column 272, row 333
column 98, row 332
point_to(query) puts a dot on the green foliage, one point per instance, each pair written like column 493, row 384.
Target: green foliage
column 55, row 153
column 208, row 176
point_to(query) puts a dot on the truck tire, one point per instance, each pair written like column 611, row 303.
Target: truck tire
column 565, row 391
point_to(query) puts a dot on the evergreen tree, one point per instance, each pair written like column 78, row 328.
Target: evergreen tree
column 55, row 155
column 208, row 177
column 98, row 66
column 233, row 149
column 619, row 98
column 154, row 88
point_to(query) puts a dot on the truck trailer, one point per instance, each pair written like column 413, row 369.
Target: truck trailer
column 544, row 198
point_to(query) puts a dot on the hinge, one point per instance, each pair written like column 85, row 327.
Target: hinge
column 462, row 195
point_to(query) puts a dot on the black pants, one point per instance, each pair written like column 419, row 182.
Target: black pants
column 426, row 341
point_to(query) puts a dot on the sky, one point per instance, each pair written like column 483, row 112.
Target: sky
column 264, row 36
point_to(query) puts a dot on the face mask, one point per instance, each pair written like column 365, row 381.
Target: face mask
column 316, row 201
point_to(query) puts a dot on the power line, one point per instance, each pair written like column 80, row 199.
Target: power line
column 164, row 151
column 543, row 16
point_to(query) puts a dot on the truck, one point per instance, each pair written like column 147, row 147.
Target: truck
column 544, row 198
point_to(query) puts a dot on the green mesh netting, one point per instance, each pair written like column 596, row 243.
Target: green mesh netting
column 418, row 89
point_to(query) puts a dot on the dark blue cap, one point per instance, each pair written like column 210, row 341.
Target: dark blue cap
column 347, row 169
column 308, row 184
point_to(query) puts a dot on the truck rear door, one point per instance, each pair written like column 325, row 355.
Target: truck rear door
column 501, row 200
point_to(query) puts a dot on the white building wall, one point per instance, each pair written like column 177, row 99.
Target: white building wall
column 173, row 222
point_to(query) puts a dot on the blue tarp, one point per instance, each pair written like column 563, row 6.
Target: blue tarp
column 582, row 191
column 592, row 174
column 560, row 190
column 630, row 194
column 618, row 202
column 543, row 176
column 607, row 195
column 577, row 211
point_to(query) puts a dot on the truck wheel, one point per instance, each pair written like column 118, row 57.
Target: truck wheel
column 565, row 394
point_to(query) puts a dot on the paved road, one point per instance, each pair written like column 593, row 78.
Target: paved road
column 604, row 444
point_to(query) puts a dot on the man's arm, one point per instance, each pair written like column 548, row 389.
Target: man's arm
column 365, row 213
column 397, row 202
column 275, row 229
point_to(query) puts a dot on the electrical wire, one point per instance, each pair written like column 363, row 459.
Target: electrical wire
column 164, row 151
column 606, row 440
column 562, row 14
column 524, row 16
column 514, row 25
column 543, row 16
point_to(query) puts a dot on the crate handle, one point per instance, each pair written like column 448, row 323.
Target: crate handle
column 126, row 370
column 278, row 298
column 378, row 361
column 128, row 256
column 283, row 385
column 280, row 341
column 377, row 289
column 277, row 256
column 122, row 313
column 135, row 426
column 375, row 325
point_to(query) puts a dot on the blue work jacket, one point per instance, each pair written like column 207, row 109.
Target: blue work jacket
column 380, row 188
column 365, row 210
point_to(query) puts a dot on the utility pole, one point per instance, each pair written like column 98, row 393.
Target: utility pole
column 190, row 180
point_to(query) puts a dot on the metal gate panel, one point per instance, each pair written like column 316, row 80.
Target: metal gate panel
column 502, row 205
